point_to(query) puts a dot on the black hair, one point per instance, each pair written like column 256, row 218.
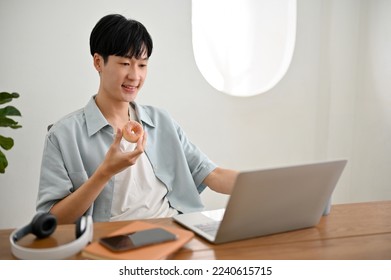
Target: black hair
column 116, row 35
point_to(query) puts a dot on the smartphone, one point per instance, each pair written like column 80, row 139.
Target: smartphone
column 137, row 239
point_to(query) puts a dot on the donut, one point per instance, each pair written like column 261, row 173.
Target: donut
column 132, row 131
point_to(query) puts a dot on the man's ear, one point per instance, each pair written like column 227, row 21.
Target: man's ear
column 98, row 62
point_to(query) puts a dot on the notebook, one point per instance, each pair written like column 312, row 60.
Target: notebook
column 269, row 201
column 153, row 252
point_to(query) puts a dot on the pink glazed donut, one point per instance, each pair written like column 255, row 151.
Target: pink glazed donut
column 132, row 131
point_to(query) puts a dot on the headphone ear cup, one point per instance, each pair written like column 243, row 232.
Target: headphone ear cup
column 43, row 224
column 81, row 226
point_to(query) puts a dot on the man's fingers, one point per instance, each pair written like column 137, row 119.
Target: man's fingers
column 118, row 137
column 141, row 143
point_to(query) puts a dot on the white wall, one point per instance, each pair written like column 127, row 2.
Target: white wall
column 334, row 101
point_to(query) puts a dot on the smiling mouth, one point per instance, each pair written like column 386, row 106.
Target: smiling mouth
column 129, row 88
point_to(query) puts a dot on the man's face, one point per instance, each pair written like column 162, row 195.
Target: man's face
column 123, row 77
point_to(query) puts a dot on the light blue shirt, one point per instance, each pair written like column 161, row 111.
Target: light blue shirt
column 77, row 144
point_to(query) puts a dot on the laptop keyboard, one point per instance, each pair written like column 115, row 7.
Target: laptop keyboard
column 209, row 228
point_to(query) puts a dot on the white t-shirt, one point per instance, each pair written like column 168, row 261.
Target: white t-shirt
column 138, row 194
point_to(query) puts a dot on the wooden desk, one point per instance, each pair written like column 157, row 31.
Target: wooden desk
column 351, row 231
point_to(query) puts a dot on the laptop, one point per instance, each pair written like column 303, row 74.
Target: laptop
column 269, row 201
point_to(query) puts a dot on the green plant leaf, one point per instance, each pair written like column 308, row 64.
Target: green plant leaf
column 7, row 122
column 3, row 162
column 6, row 142
column 9, row 111
column 7, row 97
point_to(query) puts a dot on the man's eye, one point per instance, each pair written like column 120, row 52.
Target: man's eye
column 125, row 63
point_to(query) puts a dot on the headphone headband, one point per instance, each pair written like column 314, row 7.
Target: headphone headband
column 55, row 253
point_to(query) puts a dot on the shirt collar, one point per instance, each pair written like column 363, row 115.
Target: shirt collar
column 94, row 118
column 96, row 121
column 142, row 114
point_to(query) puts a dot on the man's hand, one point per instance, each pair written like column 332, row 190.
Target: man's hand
column 116, row 160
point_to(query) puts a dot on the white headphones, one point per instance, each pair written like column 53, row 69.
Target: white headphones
column 43, row 225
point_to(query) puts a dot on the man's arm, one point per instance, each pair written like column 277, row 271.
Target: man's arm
column 70, row 208
column 221, row 180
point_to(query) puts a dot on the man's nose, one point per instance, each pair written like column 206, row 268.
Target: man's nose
column 133, row 73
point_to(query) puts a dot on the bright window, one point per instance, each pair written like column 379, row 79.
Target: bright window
column 243, row 47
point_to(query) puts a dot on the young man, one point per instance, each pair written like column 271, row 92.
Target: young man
column 88, row 166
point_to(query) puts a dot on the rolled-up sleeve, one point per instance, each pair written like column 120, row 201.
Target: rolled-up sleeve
column 199, row 164
column 55, row 183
